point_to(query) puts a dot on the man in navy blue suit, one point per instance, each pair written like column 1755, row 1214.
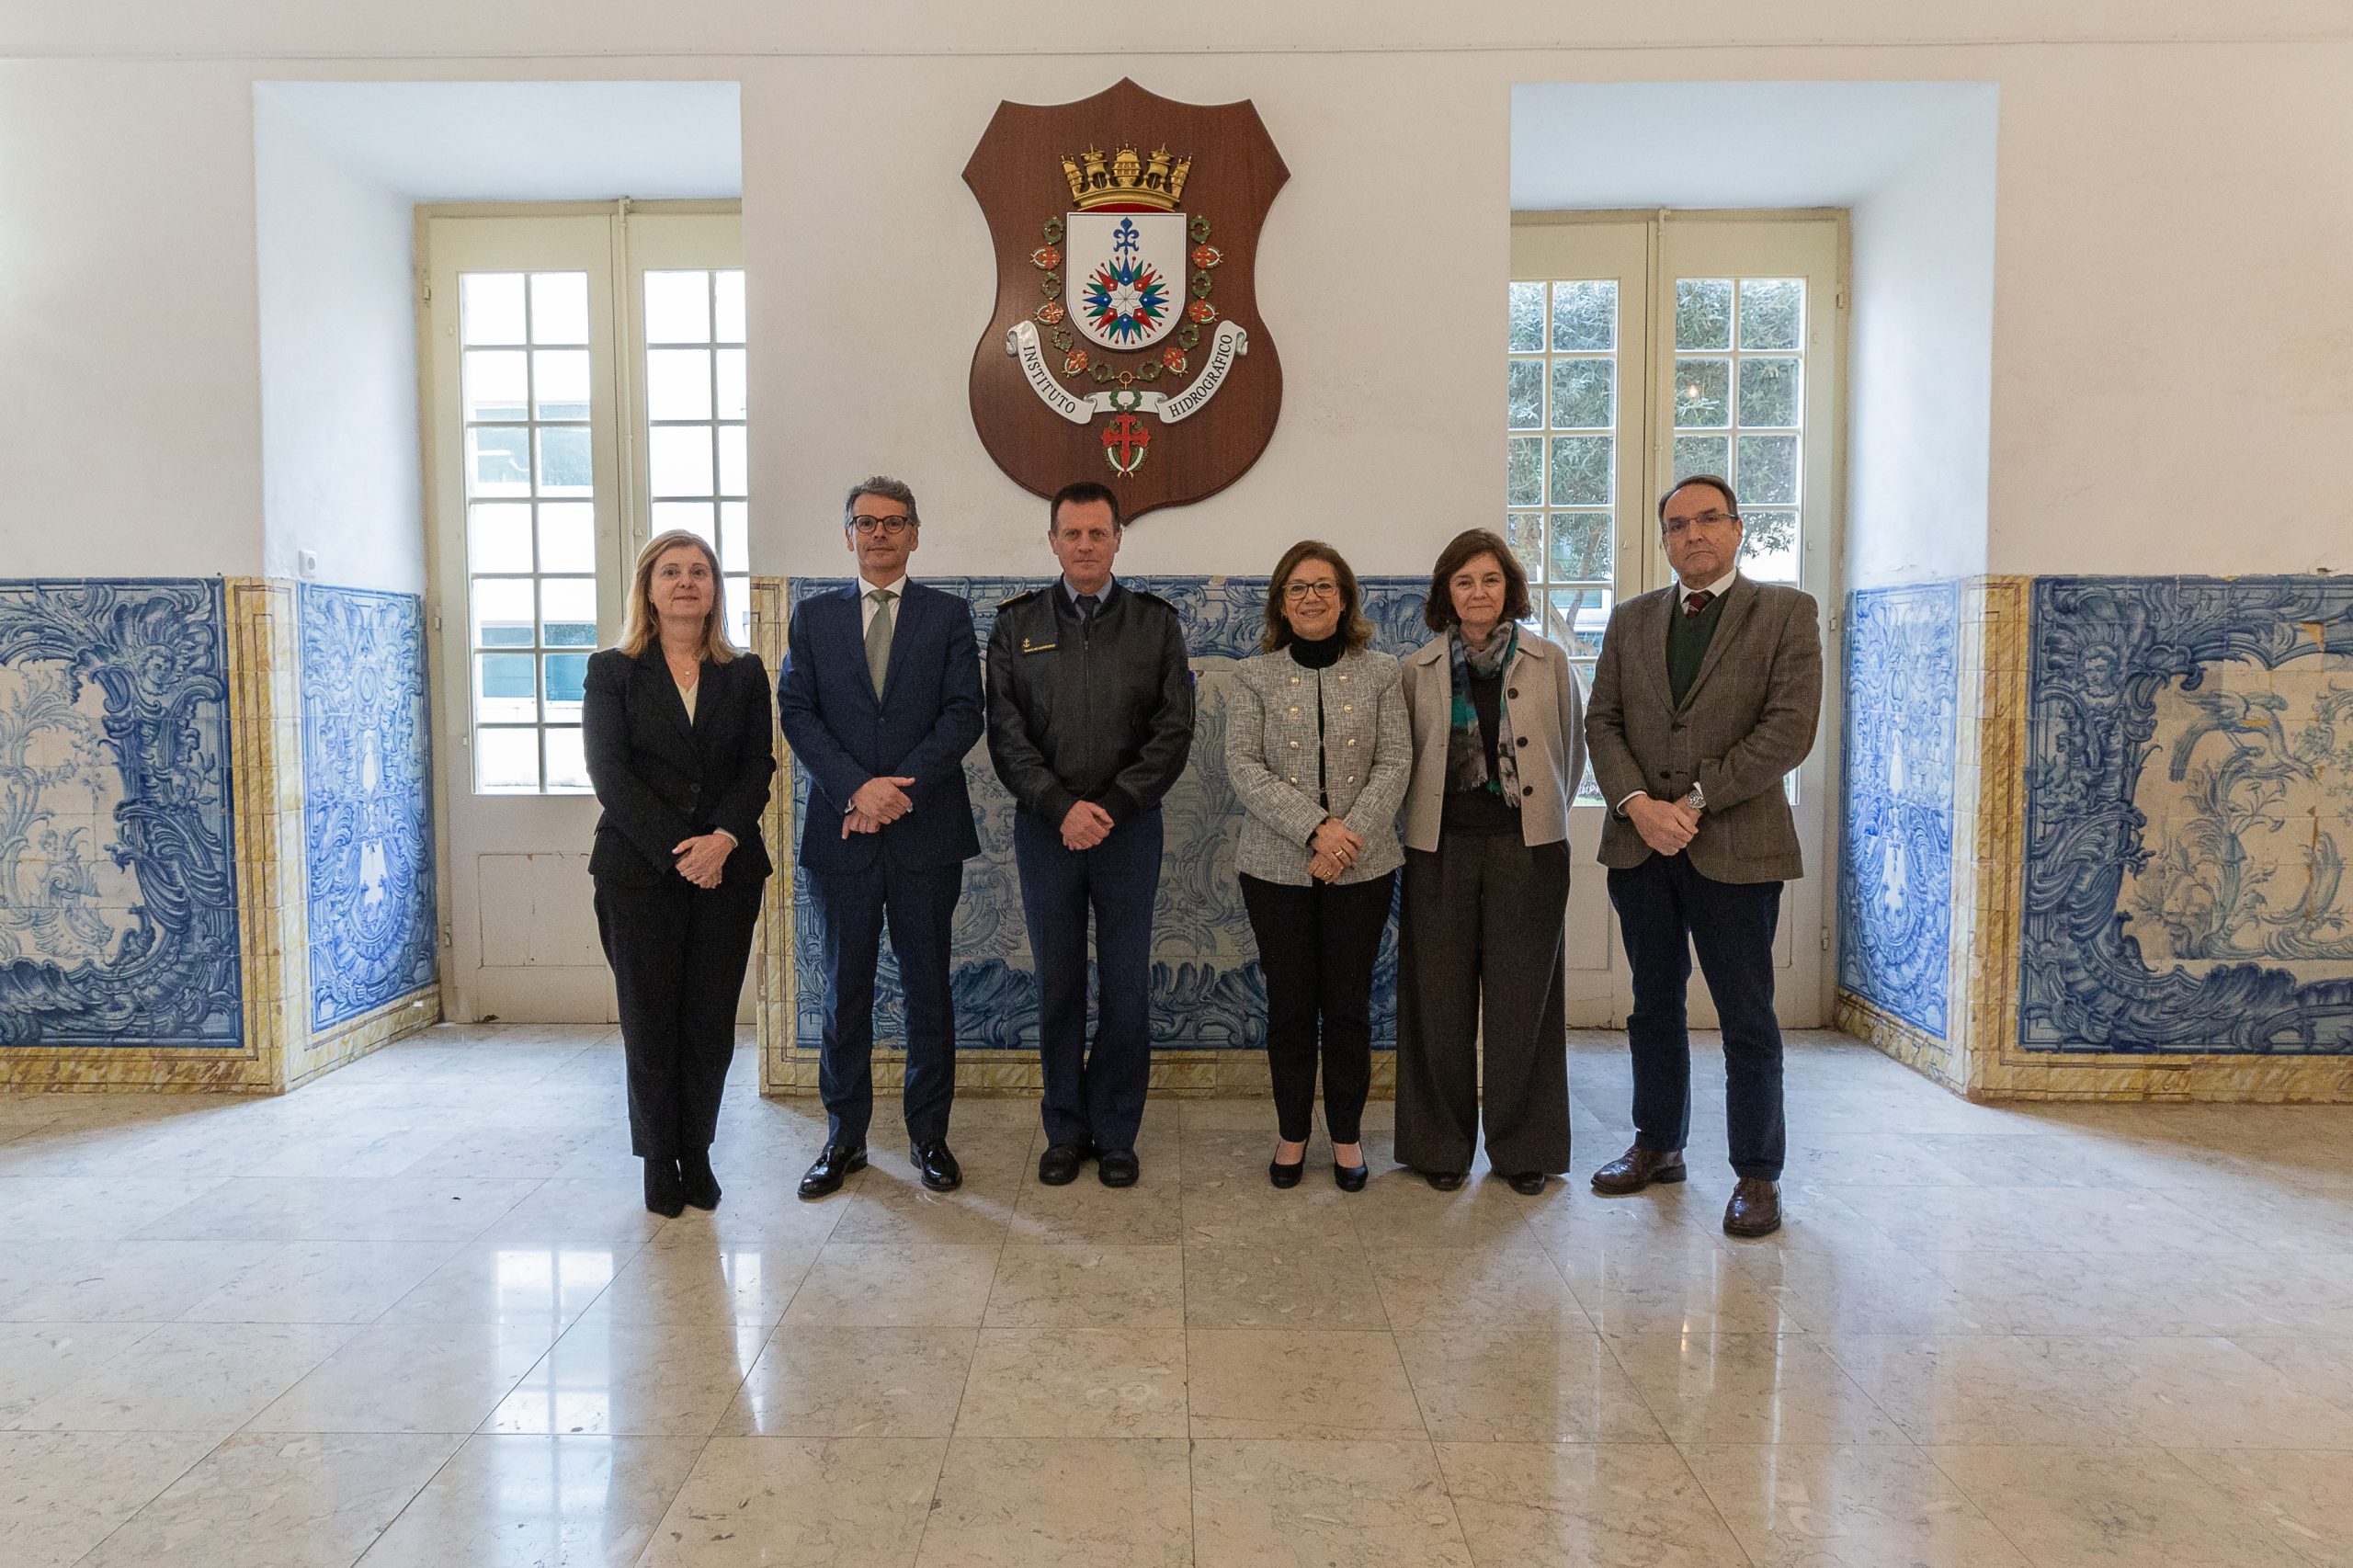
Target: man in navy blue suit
column 880, row 701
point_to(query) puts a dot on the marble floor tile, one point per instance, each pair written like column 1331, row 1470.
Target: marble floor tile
column 267, row 1500
column 1281, row 1280
column 1061, row 1503
column 611, row 1210
column 1751, row 1387
column 403, row 1377
column 1429, row 1288
column 1242, row 1208
column 889, row 1210
column 709, row 1282
column 1290, row 1384
column 607, row 1378
column 2317, row 1365
column 526, row 1149
column 1364, row 1504
column 1611, row 1504
column 323, row 1282
column 2299, row 1495
column 63, row 1493
column 189, row 1378
column 2078, row 1220
column 1873, row 1159
column 2123, row 1507
column 130, row 1281
column 1809, row 1506
column 801, row 1503
column 854, row 1380
column 38, row 1358
column 333, row 1209
column 1990, row 1388
column 1699, row 1285
column 1150, row 1213
column 1076, row 1383
column 1083, row 1284
column 549, row 1282
column 1485, row 1384
column 547, row 1502
column 868, row 1283
column 1399, row 1209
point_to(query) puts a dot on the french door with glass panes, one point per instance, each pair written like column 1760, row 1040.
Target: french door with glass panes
column 583, row 390
column 1642, row 349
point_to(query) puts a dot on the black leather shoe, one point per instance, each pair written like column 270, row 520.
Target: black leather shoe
column 663, row 1193
column 695, row 1175
column 1637, row 1168
column 1117, row 1167
column 937, row 1166
column 833, row 1168
column 1350, row 1178
column 1527, row 1183
column 1282, row 1174
column 1445, row 1181
column 1058, row 1167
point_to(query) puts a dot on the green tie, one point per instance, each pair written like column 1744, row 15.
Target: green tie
column 878, row 639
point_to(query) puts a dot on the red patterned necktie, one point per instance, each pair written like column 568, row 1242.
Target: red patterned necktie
column 1697, row 600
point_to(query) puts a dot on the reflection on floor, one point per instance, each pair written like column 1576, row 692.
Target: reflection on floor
column 416, row 1314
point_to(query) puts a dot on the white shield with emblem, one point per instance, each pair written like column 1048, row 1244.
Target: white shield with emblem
column 1124, row 286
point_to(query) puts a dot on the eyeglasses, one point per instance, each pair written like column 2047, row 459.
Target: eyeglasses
column 1675, row 527
column 889, row 527
column 1299, row 592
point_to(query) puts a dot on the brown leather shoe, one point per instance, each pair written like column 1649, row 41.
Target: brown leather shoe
column 1755, row 1208
column 1637, row 1168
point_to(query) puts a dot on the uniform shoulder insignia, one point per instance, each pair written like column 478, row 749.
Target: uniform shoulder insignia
column 1150, row 598
column 1021, row 599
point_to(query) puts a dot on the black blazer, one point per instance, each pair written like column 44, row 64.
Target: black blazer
column 661, row 778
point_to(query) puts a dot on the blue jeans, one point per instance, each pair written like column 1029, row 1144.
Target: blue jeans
column 1094, row 1097
column 1665, row 909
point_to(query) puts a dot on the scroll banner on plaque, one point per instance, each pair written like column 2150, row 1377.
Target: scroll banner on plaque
column 1230, row 342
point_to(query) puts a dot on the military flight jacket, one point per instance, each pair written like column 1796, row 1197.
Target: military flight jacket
column 1079, row 713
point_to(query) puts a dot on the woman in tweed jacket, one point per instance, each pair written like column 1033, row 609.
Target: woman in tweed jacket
column 1318, row 748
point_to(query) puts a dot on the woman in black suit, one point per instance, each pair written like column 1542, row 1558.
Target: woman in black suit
column 677, row 725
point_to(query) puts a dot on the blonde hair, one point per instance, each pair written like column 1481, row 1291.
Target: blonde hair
column 644, row 627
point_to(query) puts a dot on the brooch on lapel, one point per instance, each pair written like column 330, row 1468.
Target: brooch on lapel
column 1029, row 647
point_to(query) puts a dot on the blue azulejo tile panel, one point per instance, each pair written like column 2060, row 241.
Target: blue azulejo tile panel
column 2189, row 797
column 368, row 800
column 1207, row 993
column 117, row 875
column 1902, row 671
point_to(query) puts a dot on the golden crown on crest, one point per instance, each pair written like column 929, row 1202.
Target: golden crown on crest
column 1126, row 179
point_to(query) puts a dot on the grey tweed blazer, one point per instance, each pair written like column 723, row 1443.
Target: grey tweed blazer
column 1270, row 755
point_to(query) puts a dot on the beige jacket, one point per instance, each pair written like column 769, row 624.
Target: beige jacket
column 1270, row 757
column 1547, row 708
column 1748, row 719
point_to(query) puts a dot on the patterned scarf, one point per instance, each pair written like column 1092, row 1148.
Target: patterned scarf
column 1466, row 752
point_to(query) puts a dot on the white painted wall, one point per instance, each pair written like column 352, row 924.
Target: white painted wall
column 1919, row 386
column 130, row 410
column 341, row 475
column 2171, row 275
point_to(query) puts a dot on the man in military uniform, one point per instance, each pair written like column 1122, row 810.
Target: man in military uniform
column 1090, row 719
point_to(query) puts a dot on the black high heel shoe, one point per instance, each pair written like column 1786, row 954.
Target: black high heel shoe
column 1287, row 1175
column 696, row 1182
column 1350, row 1178
column 664, row 1194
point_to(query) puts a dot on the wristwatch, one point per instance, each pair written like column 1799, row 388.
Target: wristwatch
column 1697, row 799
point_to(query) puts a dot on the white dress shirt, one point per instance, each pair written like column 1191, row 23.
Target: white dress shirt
column 896, row 587
column 1683, row 593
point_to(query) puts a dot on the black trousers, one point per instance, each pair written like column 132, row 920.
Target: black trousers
column 919, row 904
column 1666, row 908
column 1317, row 945
column 1092, row 1095
column 677, row 953
column 1482, row 956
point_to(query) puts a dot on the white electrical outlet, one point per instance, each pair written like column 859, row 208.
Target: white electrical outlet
column 307, row 563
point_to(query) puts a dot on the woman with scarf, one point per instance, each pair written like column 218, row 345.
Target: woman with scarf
column 1498, row 726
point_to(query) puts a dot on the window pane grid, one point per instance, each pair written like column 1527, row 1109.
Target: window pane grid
column 698, row 429
column 530, row 489
column 1740, row 407
column 1561, row 459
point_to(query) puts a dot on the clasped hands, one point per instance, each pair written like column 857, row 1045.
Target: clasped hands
column 878, row 803
column 1667, row 826
column 1085, row 826
column 1333, row 847
column 702, row 858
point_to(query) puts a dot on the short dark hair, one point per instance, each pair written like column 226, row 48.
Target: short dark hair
column 890, row 489
column 1355, row 629
column 1438, row 610
column 1717, row 483
column 1084, row 492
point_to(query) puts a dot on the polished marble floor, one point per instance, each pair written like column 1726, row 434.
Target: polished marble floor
column 415, row 1314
